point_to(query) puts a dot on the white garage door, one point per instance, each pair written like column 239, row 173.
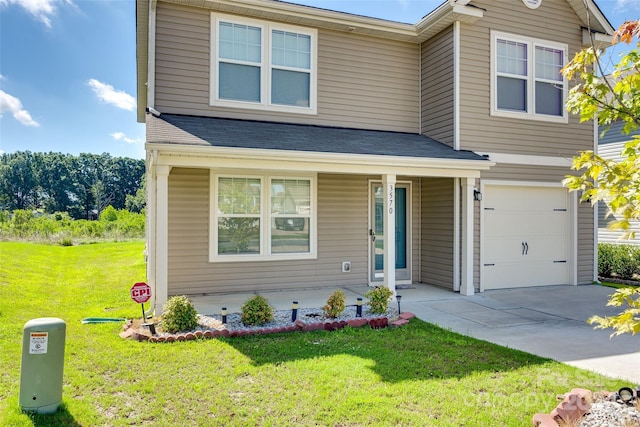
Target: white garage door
column 526, row 236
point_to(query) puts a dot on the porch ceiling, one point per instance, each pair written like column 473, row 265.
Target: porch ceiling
column 213, row 142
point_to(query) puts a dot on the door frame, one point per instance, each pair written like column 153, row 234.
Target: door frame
column 572, row 219
column 371, row 224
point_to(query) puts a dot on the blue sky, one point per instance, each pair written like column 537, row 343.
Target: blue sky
column 68, row 70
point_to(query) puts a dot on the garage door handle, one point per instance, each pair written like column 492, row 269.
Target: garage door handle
column 526, row 248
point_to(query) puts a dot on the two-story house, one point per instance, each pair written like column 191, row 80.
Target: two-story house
column 291, row 146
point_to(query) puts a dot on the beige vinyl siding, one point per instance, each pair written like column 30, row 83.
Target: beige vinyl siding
column 437, row 87
column 362, row 82
column 586, row 255
column 437, row 232
column 342, row 236
column 554, row 21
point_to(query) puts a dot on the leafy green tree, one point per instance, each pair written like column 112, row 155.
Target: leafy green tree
column 18, row 181
column 137, row 202
column 611, row 97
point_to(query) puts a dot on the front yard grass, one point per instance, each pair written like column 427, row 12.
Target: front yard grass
column 417, row 375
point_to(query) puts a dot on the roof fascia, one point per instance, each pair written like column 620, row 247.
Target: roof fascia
column 601, row 24
column 445, row 15
column 190, row 156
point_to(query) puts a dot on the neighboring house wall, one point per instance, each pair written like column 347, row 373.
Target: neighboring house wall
column 437, row 87
column 364, row 83
column 553, row 21
column 610, row 146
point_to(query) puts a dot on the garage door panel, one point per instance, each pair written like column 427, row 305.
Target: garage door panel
column 504, row 224
column 514, row 275
column 525, row 236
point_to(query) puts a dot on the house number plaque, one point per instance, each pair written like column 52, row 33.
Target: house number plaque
column 392, row 193
column 532, row 4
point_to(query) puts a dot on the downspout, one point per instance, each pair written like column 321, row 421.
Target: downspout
column 457, row 260
column 152, row 159
column 596, row 217
column 456, row 85
column 151, row 55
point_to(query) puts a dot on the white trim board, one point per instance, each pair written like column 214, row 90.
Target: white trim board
column 528, row 159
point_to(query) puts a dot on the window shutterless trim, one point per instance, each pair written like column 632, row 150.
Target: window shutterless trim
column 530, row 79
column 265, row 217
column 265, row 67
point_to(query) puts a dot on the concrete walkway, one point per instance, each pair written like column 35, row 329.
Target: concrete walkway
column 546, row 321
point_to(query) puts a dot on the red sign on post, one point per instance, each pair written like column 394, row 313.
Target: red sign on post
column 140, row 292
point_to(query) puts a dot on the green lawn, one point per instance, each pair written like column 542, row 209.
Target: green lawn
column 416, row 375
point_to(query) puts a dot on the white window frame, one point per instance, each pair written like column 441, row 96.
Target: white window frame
column 531, row 79
column 265, row 217
column 265, row 67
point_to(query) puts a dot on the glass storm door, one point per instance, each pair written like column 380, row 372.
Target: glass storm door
column 378, row 236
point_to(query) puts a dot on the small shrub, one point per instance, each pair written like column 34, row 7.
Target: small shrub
column 628, row 262
column 66, row 242
column 379, row 299
column 256, row 311
column 606, row 259
column 335, row 304
column 179, row 315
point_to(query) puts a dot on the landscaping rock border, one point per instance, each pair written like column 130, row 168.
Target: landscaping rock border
column 582, row 408
column 215, row 328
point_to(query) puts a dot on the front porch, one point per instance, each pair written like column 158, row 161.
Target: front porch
column 315, row 207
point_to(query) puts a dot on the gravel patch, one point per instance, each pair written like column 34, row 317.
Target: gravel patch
column 605, row 413
column 281, row 318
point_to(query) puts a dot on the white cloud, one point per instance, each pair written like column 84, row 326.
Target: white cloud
column 42, row 10
column 13, row 105
column 120, row 136
column 626, row 5
column 106, row 93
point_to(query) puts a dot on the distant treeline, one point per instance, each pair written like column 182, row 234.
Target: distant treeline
column 82, row 186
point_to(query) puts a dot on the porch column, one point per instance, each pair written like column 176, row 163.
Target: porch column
column 162, row 237
column 466, row 258
column 389, row 185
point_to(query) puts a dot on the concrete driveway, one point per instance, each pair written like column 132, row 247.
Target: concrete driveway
column 546, row 321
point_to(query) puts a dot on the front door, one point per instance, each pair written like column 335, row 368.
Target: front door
column 377, row 233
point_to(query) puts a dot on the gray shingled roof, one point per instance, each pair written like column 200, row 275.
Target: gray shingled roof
column 216, row 132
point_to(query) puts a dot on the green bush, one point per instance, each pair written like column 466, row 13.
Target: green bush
column 628, row 264
column 256, row 311
column 379, row 299
column 622, row 261
column 109, row 214
column 179, row 315
column 335, row 304
column 606, row 259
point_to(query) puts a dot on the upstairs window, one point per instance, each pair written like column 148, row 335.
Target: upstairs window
column 526, row 78
column 263, row 65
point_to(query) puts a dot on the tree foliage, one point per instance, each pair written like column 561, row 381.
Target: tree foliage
column 611, row 97
column 78, row 185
